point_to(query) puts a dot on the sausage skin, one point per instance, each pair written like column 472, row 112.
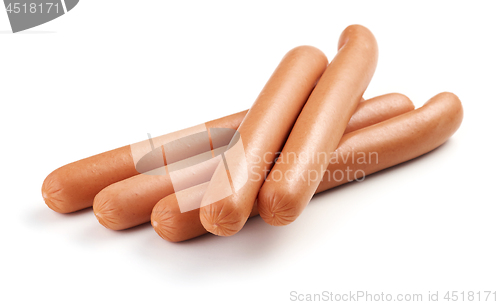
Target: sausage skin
column 230, row 195
column 320, row 126
column 395, row 140
column 129, row 202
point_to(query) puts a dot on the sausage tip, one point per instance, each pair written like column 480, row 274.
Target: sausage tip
column 403, row 101
column 51, row 195
column 309, row 50
column 453, row 107
column 105, row 213
column 102, row 220
column 221, row 221
column 163, row 221
column 275, row 206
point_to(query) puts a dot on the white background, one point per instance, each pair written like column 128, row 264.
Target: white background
column 109, row 72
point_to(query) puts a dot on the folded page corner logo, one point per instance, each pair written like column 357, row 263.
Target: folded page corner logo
column 27, row 14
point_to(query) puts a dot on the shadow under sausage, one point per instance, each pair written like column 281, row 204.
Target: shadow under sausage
column 203, row 257
column 95, row 234
column 42, row 216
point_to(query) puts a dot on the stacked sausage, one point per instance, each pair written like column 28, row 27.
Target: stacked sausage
column 309, row 109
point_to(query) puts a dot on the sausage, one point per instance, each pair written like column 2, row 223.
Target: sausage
column 395, row 141
column 230, row 195
column 318, row 129
column 129, row 202
column 73, row 187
